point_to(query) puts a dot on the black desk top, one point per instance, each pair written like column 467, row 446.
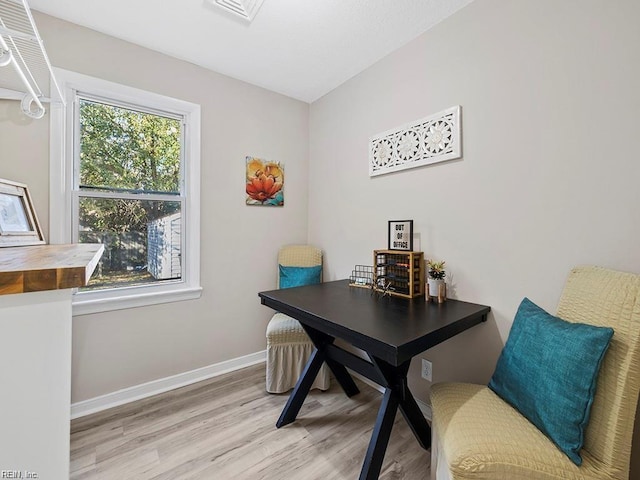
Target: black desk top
column 392, row 328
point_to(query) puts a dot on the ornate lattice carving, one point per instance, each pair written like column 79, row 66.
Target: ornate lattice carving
column 432, row 139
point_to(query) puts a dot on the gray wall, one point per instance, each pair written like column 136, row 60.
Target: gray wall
column 239, row 243
column 549, row 177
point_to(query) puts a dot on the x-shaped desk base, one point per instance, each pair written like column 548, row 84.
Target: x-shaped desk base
column 396, row 395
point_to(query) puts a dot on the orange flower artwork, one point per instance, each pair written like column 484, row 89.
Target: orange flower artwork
column 265, row 182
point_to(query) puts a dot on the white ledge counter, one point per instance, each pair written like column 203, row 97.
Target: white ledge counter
column 36, row 285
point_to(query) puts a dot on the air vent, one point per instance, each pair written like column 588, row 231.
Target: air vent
column 246, row 9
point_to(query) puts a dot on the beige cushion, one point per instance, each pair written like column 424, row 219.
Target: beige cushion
column 299, row 256
column 598, row 296
column 288, row 349
column 483, row 437
column 284, row 329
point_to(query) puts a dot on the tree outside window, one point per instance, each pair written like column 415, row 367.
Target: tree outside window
column 129, row 192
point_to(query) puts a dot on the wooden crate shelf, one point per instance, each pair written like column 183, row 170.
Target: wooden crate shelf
column 403, row 270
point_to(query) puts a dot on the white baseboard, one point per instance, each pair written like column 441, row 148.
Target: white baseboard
column 144, row 390
column 137, row 392
column 425, row 408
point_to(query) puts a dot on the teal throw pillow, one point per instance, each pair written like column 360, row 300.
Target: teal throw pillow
column 299, row 276
column 548, row 371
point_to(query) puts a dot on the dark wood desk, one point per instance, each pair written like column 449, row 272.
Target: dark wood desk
column 390, row 330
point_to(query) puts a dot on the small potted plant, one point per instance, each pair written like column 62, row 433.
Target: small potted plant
column 436, row 274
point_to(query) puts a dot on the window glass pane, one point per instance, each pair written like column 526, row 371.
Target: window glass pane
column 123, row 149
column 142, row 240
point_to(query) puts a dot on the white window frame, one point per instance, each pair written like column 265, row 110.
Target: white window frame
column 63, row 214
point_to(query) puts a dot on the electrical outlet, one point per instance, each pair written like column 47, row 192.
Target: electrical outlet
column 427, row 369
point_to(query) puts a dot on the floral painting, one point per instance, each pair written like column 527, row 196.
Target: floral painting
column 265, row 182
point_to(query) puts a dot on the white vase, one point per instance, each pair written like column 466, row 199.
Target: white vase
column 434, row 286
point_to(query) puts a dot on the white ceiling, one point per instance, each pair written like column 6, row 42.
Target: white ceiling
column 300, row 48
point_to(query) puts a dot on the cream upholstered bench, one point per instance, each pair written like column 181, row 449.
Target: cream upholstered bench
column 478, row 435
column 288, row 346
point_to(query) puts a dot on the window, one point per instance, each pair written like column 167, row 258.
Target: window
column 125, row 168
column 128, row 192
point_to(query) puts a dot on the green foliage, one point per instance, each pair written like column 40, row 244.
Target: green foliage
column 436, row 269
column 128, row 150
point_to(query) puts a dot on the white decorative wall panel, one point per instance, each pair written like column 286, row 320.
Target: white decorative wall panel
column 431, row 139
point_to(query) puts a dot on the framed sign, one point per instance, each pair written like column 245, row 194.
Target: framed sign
column 18, row 222
column 401, row 235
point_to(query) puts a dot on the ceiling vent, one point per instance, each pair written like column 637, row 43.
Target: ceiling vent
column 246, row 9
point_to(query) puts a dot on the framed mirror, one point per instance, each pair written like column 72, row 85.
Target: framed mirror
column 18, row 221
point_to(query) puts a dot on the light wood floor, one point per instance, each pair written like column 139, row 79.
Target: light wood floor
column 224, row 428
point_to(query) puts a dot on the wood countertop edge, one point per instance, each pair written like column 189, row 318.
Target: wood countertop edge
column 47, row 267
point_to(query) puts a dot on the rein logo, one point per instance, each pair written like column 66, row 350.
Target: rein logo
column 17, row 474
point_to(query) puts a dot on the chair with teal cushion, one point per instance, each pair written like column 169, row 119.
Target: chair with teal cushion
column 288, row 346
column 562, row 401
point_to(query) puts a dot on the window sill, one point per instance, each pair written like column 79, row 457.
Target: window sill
column 86, row 306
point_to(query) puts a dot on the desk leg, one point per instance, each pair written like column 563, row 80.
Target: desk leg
column 301, row 390
column 320, row 341
column 396, row 395
column 415, row 419
column 397, row 380
column 380, row 436
column 296, row 399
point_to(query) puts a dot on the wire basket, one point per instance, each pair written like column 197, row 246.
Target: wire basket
column 361, row 276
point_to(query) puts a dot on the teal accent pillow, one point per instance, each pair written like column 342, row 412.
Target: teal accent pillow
column 299, row 276
column 548, row 371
